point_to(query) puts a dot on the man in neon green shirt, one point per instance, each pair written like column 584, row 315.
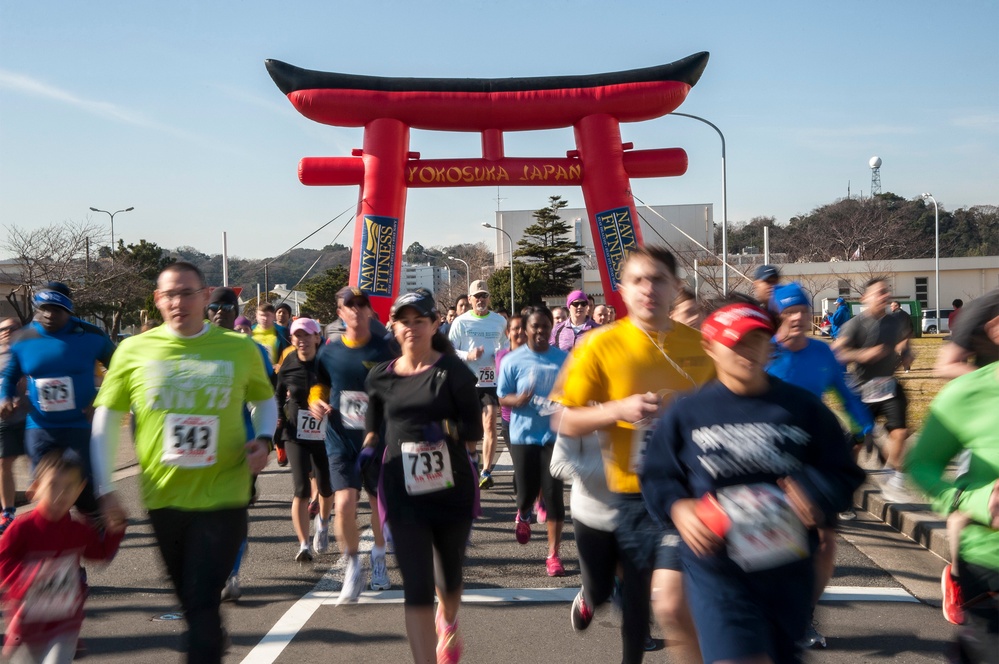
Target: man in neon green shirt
column 186, row 383
column 963, row 418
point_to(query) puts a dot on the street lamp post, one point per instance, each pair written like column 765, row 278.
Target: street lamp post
column 724, row 198
column 486, row 224
column 468, row 280
column 112, row 214
column 936, row 254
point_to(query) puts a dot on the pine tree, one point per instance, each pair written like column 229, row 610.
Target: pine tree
column 550, row 250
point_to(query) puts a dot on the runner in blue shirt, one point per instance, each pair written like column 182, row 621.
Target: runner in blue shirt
column 527, row 377
column 58, row 353
column 811, row 364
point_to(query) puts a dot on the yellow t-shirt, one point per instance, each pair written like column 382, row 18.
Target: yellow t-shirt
column 619, row 360
column 269, row 340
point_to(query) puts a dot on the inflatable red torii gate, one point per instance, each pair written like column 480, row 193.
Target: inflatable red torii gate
column 384, row 168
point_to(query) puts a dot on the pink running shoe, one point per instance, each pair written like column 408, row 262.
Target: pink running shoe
column 522, row 530
column 542, row 511
column 554, row 565
column 449, row 643
column 952, row 599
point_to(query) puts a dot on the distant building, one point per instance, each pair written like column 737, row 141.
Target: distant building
column 432, row 277
column 294, row 298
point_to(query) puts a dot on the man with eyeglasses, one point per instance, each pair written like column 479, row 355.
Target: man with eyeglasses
column 566, row 333
column 476, row 336
column 57, row 352
column 186, row 383
column 11, row 429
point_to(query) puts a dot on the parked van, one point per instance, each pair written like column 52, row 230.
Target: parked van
column 930, row 322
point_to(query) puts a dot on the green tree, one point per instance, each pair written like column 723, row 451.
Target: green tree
column 321, row 294
column 550, row 252
column 529, row 286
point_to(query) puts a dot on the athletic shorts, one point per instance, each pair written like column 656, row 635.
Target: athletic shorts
column 11, row 440
column 344, row 473
column 892, row 409
column 668, row 551
column 487, row 396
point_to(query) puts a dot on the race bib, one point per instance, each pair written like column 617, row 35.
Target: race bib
column 764, row 531
column 353, row 409
column 487, row 376
column 639, row 442
column 55, row 394
column 190, row 441
column 878, row 389
column 309, row 428
column 55, row 592
column 426, row 467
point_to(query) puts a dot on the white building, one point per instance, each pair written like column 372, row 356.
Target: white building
column 432, row 277
column 659, row 225
column 294, row 298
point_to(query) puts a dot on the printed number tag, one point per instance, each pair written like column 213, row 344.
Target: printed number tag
column 765, row 532
column 190, row 441
column 55, row 592
column 487, row 376
column 639, row 443
column 426, row 467
column 353, row 409
column 55, row 394
column 309, row 428
column 877, row 389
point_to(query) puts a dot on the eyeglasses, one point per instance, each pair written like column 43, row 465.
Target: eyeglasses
column 481, row 296
column 224, row 307
column 581, row 303
column 179, row 295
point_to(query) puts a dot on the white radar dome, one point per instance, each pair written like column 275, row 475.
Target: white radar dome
column 875, row 162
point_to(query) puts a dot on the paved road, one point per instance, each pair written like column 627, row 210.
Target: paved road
column 287, row 614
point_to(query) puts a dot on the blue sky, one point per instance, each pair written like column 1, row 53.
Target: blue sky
column 167, row 107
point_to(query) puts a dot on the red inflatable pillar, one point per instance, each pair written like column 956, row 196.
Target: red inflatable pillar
column 376, row 262
column 609, row 204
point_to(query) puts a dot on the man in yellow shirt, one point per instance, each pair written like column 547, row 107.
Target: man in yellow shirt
column 617, row 385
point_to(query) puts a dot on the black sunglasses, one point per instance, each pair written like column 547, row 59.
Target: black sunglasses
column 224, row 307
column 581, row 303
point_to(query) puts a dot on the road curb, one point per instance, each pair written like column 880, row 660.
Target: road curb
column 915, row 520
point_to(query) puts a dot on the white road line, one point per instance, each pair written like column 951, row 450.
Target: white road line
column 327, row 590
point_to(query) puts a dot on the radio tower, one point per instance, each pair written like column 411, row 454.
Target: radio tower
column 875, row 164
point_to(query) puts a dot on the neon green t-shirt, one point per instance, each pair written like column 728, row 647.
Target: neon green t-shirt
column 187, row 397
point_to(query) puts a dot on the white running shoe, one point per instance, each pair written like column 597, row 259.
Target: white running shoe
column 379, row 573
column 231, row 591
column 321, row 540
column 353, row 581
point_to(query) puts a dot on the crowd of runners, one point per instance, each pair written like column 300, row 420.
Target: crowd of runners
column 707, row 476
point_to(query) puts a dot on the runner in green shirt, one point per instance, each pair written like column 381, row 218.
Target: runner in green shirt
column 186, row 383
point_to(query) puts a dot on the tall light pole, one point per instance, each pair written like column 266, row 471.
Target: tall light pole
column 936, row 259
column 724, row 199
column 486, row 224
column 468, row 281
column 112, row 214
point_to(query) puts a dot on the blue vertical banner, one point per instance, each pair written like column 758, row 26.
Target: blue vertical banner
column 376, row 275
column 616, row 229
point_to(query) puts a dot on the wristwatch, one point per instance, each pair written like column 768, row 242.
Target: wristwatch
column 267, row 440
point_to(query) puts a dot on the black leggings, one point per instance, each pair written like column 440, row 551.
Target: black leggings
column 598, row 560
column 978, row 638
column 305, row 458
column 532, row 473
column 429, row 554
column 199, row 549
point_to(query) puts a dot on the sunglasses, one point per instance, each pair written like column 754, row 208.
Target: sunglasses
column 581, row 303
column 224, row 307
column 481, row 296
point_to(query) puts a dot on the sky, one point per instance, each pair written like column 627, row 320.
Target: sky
column 167, row 107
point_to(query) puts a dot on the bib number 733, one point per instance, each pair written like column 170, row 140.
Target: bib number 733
column 426, row 467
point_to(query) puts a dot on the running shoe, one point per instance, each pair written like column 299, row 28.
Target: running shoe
column 321, row 540
column 379, row 573
column 449, row 644
column 231, row 590
column 848, row 515
column 522, row 529
column 554, row 565
column 353, row 581
column 313, row 508
column 486, row 480
column 812, row 638
column 541, row 510
column 5, row 520
column 304, row 555
column 894, row 489
column 282, row 457
column 952, row 600
column 581, row 614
